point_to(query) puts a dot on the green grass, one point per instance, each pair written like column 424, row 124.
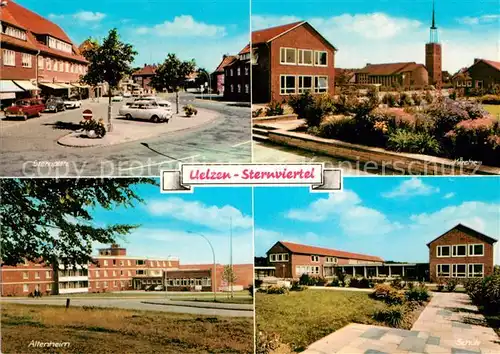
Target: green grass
column 223, row 300
column 301, row 318
column 493, row 109
column 100, row 330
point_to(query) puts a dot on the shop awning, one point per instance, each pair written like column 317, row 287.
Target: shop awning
column 9, row 86
column 26, row 85
column 79, row 85
column 51, row 85
column 63, row 85
column 7, row 96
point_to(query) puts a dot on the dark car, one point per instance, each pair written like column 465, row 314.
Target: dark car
column 54, row 104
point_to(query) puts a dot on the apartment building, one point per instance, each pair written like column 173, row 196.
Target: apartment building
column 114, row 270
column 142, row 77
column 237, row 77
column 219, row 74
column 289, row 60
column 461, row 252
column 291, row 260
column 37, row 56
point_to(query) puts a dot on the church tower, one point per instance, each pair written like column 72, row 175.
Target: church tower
column 433, row 54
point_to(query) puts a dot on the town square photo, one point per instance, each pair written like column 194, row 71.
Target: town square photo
column 377, row 87
column 113, row 266
column 115, row 89
column 388, row 265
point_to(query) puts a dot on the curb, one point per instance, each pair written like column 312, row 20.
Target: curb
column 201, row 306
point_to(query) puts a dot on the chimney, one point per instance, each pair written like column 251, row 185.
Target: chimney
column 476, row 60
column 145, row 64
column 224, row 56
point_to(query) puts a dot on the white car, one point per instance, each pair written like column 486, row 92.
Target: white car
column 146, row 110
column 72, row 103
column 117, row 98
column 127, row 94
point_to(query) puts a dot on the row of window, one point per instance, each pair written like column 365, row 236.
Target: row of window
column 293, row 84
column 74, row 285
column 48, row 275
column 14, row 32
column 9, row 59
column 128, row 262
column 97, row 273
column 238, row 88
column 189, row 282
column 472, row 250
column 278, row 257
column 307, row 57
column 123, row 284
column 460, row 270
column 26, row 287
column 238, row 71
column 74, row 273
column 302, row 269
column 59, row 45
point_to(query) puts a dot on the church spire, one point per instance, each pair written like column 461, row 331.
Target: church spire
column 433, row 16
column 434, row 32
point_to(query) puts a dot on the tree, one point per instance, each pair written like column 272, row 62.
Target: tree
column 49, row 221
column 108, row 62
column 228, row 275
column 202, row 77
column 171, row 75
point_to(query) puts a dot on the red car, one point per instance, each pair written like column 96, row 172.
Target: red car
column 25, row 108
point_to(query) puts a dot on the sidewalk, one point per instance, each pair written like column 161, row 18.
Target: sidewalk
column 449, row 324
column 201, row 304
column 131, row 130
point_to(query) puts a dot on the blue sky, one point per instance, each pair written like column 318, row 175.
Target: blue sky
column 393, row 218
column 390, row 31
column 199, row 29
column 165, row 220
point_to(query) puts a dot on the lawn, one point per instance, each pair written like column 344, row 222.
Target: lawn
column 301, row 318
column 493, row 109
column 122, row 331
column 223, row 300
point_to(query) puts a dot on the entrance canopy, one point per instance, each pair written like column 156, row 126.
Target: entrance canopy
column 9, row 86
column 26, row 85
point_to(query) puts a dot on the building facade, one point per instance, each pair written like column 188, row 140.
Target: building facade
column 142, row 78
column 461, row 253
column 289, row 60
column 37, row 56
column 237, row 78
column 482, row 75
column 219, row 74
column 408, row 74
column 113, row 270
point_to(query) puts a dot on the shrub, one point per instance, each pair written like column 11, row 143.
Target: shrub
column 485, row 293
column 258, row 283
column 97, row 126
column 301, row 103
column 320, row 281
column 342, row 277
column 405, row 100
column 335, row 282
column 257, row 113
column 354, row 283
column 345, row 103
column 395, row 298
column 417, row 293
column 389, row 99
column 453, row 95
column 398, row 283
column 320, row 107
column 365, row 283
column 279, row 290
column 251, row 290
column 274, row 108
column 297, row 287
column 393, row 316
column 446, row 114
column 189, row 110
column 413, row 142
column 451, row 284
column 417, row 99
column 428, row 97
column 490, row 99
column 382, row 291
column 339, row 127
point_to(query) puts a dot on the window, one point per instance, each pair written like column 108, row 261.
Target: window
column 279, row 257
column 287, row 84
column 67, row 70
column 26, row 288
column 140, row 272
column 314, row 258
column 288, row 56
column 320, row 58
column 25, row 275
column 247, row 88
column 459, row 250
column 115, row 283
column 305, row 57
column 230, row 72
column 140, row 262
column 49, row 64
column 97, row 284
column 122, row 263
column 443, row 251
column 37, row 275
column 105, row 262
column 232, row 88
column 320, row 84
column 59, row 45
column 48, row 287
column 40, row 62
column 476, row 250
column 114, row 273
column 97, row 274
column 476, row 270
column 238, row 71
column 14, row 32
column 331, row 260
column 239, row 88
column 247, row 70
column 105, row 273
column 61, row 66
column 459, row 270
column 129, row 273
column 26, row 60
column 443, row 270
column 47, row 274
column 105, row 284
column 305, row 83
column 9, row 57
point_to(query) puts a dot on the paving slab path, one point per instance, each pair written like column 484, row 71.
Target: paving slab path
column 449, row 324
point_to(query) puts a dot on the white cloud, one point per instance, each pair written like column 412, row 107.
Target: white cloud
column 347, row 210
column 381, row 38
column 184, row 26
column 217, row 218
column 467, row 20
column 449, row 195
column 89, row 16
column 410, row 188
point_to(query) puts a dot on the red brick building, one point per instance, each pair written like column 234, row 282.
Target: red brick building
column 291, row 260
column 237, row 77
column 482, row 75
column 36, row 54
column 461, row 253
column 142, row 77
column 288, row 60
column 114, row 270
column 408, row 74
column 219, row 74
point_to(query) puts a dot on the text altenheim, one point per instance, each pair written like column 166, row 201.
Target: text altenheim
column 39, row 344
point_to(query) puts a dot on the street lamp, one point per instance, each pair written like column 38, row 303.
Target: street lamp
column 213, row 255
column 209, row 85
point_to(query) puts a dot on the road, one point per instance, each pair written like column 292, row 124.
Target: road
column 30, row 148
column 139, row 304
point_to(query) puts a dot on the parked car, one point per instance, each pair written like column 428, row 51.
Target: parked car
column 25, row 108
column 159, row 288
column 127, row 94
column 54, row 104
column 117, row 98
column 146, row 110
column 72, row 103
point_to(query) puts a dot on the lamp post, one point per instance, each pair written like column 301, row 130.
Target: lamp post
column 213, row 255
column 209, row 85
